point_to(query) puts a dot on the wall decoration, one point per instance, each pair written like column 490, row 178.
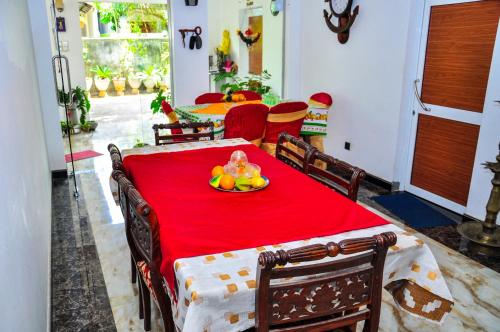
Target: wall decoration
column 60, row 24
column 195, row 40
column 341, row 9
column 249, row 38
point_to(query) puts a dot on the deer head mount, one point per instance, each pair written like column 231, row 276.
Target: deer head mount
column 341, row 9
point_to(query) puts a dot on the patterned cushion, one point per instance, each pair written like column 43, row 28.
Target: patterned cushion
column 145, row 272
column 143, row 268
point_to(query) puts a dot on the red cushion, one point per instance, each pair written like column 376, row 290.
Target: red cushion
column 249, row 95
column 209, row 98
column 273, row 129
column 321, row 99
column 246, row 121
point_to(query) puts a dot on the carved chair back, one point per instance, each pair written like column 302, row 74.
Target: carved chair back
column 323, row 296
column 338, row 175
column 293, row 151
column 207, row 132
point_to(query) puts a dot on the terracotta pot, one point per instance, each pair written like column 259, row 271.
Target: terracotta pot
column 102, row 85
column 119, row 84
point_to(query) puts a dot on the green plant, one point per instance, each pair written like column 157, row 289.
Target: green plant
column 86, row 126
column 112, row 13
column 233, row 84
column 151, row 72
column 251, row 82
column 102, row 72
column 82, row 103
column 147, row 17
column 139, row 143
column 156, row 103
column 66, row 126
column 63, row 97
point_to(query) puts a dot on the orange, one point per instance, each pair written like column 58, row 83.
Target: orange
column 217, row 170
column 227, row 182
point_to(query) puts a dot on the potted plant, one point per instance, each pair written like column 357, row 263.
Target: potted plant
column 89, row 126
column 151, row 78
column 66, row 127
column 139, row 143
column 119, row 84
column 102, row 79
column 135, row 81
column 69, row 108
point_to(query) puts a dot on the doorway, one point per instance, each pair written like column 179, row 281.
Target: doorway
column 119, row 59
column 454, row 70
column 246, row 46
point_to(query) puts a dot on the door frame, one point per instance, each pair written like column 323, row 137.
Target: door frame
column 437, row 111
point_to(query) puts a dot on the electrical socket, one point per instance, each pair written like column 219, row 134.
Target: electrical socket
column 347, row 146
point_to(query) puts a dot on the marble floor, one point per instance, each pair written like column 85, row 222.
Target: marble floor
column 91, row 238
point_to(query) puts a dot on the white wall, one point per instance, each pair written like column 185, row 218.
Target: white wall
column 364, row 76
column 73, row 36
column 190, row 67
column 43, row 44
column 293, row 50
column 273, row 43
column 25, row 186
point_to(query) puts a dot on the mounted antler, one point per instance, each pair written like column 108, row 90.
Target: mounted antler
column 346, row 20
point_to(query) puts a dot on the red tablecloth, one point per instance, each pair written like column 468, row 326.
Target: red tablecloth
column 196, row 219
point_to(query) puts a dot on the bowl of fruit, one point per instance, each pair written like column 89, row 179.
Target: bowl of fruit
column 238, row 175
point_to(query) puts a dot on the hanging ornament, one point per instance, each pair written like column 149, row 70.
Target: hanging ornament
column 249, row 38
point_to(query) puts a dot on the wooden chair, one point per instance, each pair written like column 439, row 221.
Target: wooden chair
column 116, row 160
column 143, row 237
column 249, row 95
column 293, row 151
column 286, row 117
column 209, row 98
column 142, row 233
column 327, row 296
column 181, row 138
column 246, row 121
column 338, row 175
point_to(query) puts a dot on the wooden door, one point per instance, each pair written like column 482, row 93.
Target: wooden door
column 255, row 51
column 454, row 66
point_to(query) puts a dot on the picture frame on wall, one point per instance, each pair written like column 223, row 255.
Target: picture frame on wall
column 60, row 24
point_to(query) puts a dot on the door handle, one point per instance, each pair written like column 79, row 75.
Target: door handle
column 417, row 95
column 59, row 58
column 497, row 101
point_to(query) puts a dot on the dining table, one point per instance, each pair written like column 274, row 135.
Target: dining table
column 210, row 240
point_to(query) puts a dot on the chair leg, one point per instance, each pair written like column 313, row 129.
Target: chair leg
column 166, row 313
column 133, row 270
column 146, row 304
column 141, row 306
